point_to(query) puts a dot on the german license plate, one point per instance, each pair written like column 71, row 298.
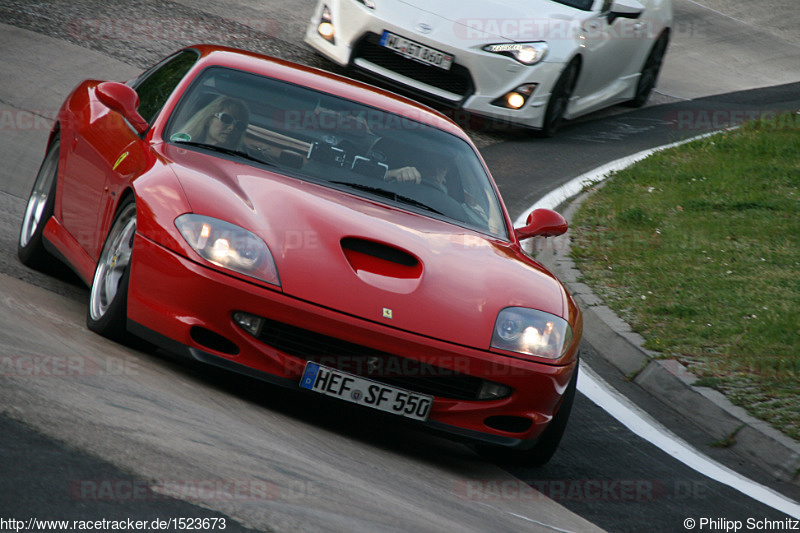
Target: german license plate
column 355, row 389
column 414, row 50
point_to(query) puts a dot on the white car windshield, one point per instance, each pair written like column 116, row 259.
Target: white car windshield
column 339, row 143
column 584, row 5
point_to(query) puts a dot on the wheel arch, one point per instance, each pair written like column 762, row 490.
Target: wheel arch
column 578, row 60
column 54, row 132
column 126, row 192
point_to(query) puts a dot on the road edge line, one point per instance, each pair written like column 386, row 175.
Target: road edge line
column 666, row 380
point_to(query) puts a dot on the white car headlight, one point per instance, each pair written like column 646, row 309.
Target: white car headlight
column 228, row 246
column 531, row 332
column 525, row 53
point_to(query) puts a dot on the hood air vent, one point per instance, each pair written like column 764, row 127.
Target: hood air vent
column 379, row 251
column 383, row 266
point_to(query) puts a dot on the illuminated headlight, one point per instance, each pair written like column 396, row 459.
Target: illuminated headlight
column 531, row 332
column 325, row 28
column 525, row 53
column 228, row 246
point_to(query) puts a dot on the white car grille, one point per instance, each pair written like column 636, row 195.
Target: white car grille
column 457, row 80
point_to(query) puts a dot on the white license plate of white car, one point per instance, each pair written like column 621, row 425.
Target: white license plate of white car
column 366, row 392
column 414, row 50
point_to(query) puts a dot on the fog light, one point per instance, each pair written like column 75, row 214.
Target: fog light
column 493, row 391
column 516, row 99
column 252, row 324
column 325, row 28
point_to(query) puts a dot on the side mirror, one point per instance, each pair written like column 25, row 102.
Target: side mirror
column 627, row 9
column 124, row 100
column 542, row 223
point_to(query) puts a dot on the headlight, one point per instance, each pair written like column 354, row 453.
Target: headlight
column 531, row 332
column 525, row 53
column 228, row 246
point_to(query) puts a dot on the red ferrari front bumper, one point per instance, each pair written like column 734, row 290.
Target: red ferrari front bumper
column 188, row 308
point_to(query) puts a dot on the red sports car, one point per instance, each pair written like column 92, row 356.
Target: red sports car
column 313, row 231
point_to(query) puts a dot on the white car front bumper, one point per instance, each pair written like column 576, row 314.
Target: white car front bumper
column 476, row 82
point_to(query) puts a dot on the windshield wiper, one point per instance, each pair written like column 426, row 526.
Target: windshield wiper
column 226, row 151
column 389, row 194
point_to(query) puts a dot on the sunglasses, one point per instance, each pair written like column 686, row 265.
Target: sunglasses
column 228, row 119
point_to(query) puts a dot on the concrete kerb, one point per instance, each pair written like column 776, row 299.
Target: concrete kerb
column 665, row 379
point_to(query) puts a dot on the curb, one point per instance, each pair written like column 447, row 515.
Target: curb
column 664, row 379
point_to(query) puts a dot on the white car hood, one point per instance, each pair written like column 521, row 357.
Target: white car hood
column 512, row 20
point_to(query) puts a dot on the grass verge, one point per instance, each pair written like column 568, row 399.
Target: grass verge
column 698, row 249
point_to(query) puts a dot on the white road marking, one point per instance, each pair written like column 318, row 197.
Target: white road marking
column 557, row 196
column 625, row 411
column 641, row 423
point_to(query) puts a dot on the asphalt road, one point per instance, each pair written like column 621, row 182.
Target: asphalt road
column 93, row 442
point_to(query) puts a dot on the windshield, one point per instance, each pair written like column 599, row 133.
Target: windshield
column 585, row 5
column 339, row 143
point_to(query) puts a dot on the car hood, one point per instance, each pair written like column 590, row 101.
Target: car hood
column 510, row 20
column 366, row 259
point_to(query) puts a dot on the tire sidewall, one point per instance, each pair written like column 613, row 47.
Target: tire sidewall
column 547, row 443
column 552, row 123
column 643, row 92
column 551, row 438
column 34, row 254
column 113, row 323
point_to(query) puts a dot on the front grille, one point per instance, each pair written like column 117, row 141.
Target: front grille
column 457, row 80
column 369, row 363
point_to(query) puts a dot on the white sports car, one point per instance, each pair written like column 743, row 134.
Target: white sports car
column 528, row 62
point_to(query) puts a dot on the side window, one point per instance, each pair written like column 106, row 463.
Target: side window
column 155, row 87
column 606, row 6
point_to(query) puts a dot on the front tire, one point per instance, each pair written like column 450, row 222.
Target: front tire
column 650, row 71
column 548, row 441
column 559, row 99
column 108, row 299
column 41, row 204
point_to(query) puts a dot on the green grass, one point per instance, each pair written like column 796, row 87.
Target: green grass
column 698, row 248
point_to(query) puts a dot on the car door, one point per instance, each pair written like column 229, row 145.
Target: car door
column 94, row 145
column 154, row 88
column 612, row 45
column 107, row 152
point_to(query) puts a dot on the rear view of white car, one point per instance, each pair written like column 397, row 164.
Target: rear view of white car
column 526, row 62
